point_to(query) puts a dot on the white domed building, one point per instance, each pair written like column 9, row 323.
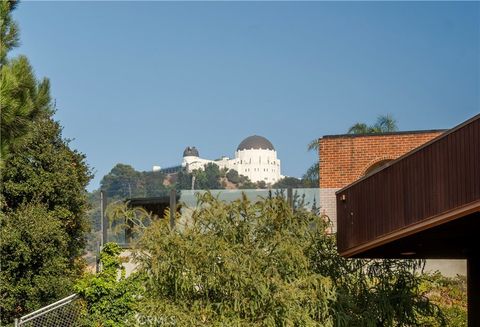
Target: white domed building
column 255, row 158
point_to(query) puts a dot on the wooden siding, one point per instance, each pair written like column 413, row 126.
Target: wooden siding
column 440, row 176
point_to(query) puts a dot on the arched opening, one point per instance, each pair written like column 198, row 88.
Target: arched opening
column 376, row 166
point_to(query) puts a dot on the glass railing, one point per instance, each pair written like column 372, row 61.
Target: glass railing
column 186, row 201
column 306, row 197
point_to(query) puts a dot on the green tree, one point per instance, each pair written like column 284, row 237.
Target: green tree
column 235, row 264
column 223, row 172
column 44, row 169
column 450, row 294
column 212, row 173
column 384, row 124
column 232, row 176
column 43, row 199
column 311, row 177
column 123, row 181
column 374, row 292
column 262, row 264
column 109, row 300
column 154, row 183
column 9, row 37
column 204, row 179
column 245, row 183
column 183, row 180
column 23, row 98
column 36, row 265
column 261, row 185
column 288, row 182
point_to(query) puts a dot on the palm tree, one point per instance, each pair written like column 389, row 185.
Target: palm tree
column 313, row 145
column 310, row 178
column 359, row 128
column 384, row 124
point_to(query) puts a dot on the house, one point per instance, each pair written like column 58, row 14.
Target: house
column 424, row 204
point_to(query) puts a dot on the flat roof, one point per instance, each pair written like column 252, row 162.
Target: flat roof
column 426, row 131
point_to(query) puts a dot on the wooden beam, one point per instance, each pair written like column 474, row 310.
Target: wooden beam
column 415, row 228
column 473, row 290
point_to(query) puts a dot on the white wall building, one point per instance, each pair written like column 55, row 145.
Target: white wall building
column 255, row 158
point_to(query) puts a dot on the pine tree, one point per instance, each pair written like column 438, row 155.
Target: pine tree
column 43, row 198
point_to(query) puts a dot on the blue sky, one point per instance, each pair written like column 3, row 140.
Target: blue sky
column 136, row 82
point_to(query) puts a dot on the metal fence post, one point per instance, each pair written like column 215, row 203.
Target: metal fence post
column 290, row 197
column 173, row 207
column 104, row 222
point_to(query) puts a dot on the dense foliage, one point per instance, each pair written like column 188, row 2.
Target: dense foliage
column 43, row 198
column 450, row 294
column 233, row 176
column 36, row 266
column 9, row 37
column 212, row 178
column 249, row 264
column 44, row 169
column 235, row 264
column 22, row 97
column 123, row 181
column 109, row 297
column 289, row 182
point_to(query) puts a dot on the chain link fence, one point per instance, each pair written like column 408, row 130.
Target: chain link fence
column 63, row 313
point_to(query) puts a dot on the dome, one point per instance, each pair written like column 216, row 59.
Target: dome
column 190, row 151
column 255, row 142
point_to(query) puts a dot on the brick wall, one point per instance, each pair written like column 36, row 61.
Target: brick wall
column 346, row 158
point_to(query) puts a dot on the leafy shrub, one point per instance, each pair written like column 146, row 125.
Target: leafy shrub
column 109, row 298
column 264, row 264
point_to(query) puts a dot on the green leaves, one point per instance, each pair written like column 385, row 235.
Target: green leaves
column 9, row 38
column 23, row 100
column 384, row 123
column 450, row 294
column 263, row 264
column 36, row 269
column 123, row 181
column 239, row 263
column 43, row 197
column 109, row 297
column 43, row 168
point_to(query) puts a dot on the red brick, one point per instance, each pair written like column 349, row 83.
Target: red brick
column 344, row 159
